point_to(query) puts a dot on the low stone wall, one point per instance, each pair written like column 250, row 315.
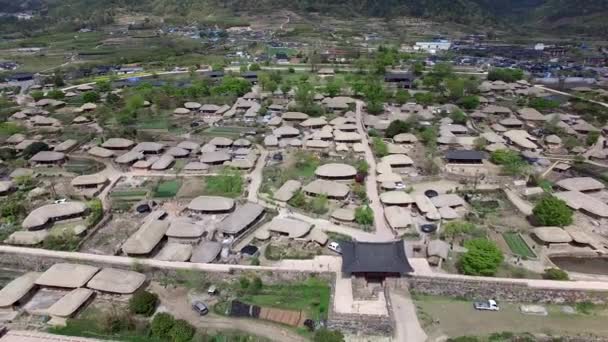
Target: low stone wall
column 30, row 262
column 501, row 291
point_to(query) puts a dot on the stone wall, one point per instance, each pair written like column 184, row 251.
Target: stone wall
column 40, row 263
column 501, row 291
column 355, row 324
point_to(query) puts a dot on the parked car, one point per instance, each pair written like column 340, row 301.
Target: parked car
column 488, row 305
column 61, row 200
column 200, row 308
column 399, row 185
column 334, row 246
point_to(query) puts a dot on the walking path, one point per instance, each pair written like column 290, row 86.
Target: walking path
column 407, row 326
column 255, row 178
column 383, row 232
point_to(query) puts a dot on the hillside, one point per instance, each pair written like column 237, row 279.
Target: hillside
column 583, row 16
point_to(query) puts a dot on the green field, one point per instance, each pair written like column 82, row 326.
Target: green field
column 83, row 166
column 228, row 132
column 517, row 245
column 167, row 188
column 311, row 296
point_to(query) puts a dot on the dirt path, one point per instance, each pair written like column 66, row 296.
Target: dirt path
column 177, row 303
column 256, row 175
column 407, row 327
column 383, row 231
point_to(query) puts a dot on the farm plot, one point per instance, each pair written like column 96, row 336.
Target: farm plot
column 517, row 245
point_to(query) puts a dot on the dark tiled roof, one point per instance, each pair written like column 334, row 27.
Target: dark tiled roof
column 465, row 155
column 369, row 257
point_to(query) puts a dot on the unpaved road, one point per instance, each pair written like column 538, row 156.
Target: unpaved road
column 176, row 301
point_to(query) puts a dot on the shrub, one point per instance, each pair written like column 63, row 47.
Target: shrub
column 364, row 215
column 555, row 274
column 37, row 95
column 55, row 94
column 326, row 335
column 379, row 147
column 34, row 148
column 244, row 283
column 256, row 285
column 469, row 102
column 481, row 259
column 458, row 117
column 181, row 331
column 552, row 211
column 318, row 205
column 114, row 321
column 90, row 96
column 161, row 325
column 66, row 241
column 506, row 75
column 397, row 127
column 143, row 303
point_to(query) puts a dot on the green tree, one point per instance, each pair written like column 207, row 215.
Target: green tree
column 181, row 331
column 418, row 68
column 592, row 138
column 143, row 303
column 374, row 94
column 55, row 94
column 326, row 335
column 552, row 211
column 379, row 147
column 364, row 215
column 298, row 200
column 480, row 143
column 402, row 96
column 541, row 104
column 555, row 274
column 319, row 204
column 34, row 148
column 37, row 95
column 425, row 99
column 459, row 117
column 231, row 86
column 469, row 102
column 333, row 88
column 360, row 192
column 362, row 167
column 458, row 229
column 161, row 325
column 255, row 286
column 505, row 75
column 103, row 86
column 482, row 258
column 397, row 127
column 90, row 96
column 511, row 161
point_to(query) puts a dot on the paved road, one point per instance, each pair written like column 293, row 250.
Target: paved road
column 570, row 95
column 407, row 325
column 383, row 231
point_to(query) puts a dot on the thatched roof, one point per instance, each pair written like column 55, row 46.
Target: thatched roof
column 112, row 280
column 118, row 143
column 175, row 252
column 325, row 187
column 398, row 217
column 241, row 218
column 396, row 198
column 287, row 190
column 206, row 252
column 17, row 289
column 94, row 179
column 100, row 152
column 335, row 170
column 552, row 235
column 184, row 228
column 48, row 157
column 67, row 275
column 67, row 305
column 147, row 236
column 581, row 184
column 50, row 212
column 211, row 204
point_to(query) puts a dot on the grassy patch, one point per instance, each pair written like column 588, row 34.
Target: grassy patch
column 137, row 192
column 517, row 245
column 83, row 166
column 227, row 184
column 228, row 132
column 167, row 188
column 311, row 296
